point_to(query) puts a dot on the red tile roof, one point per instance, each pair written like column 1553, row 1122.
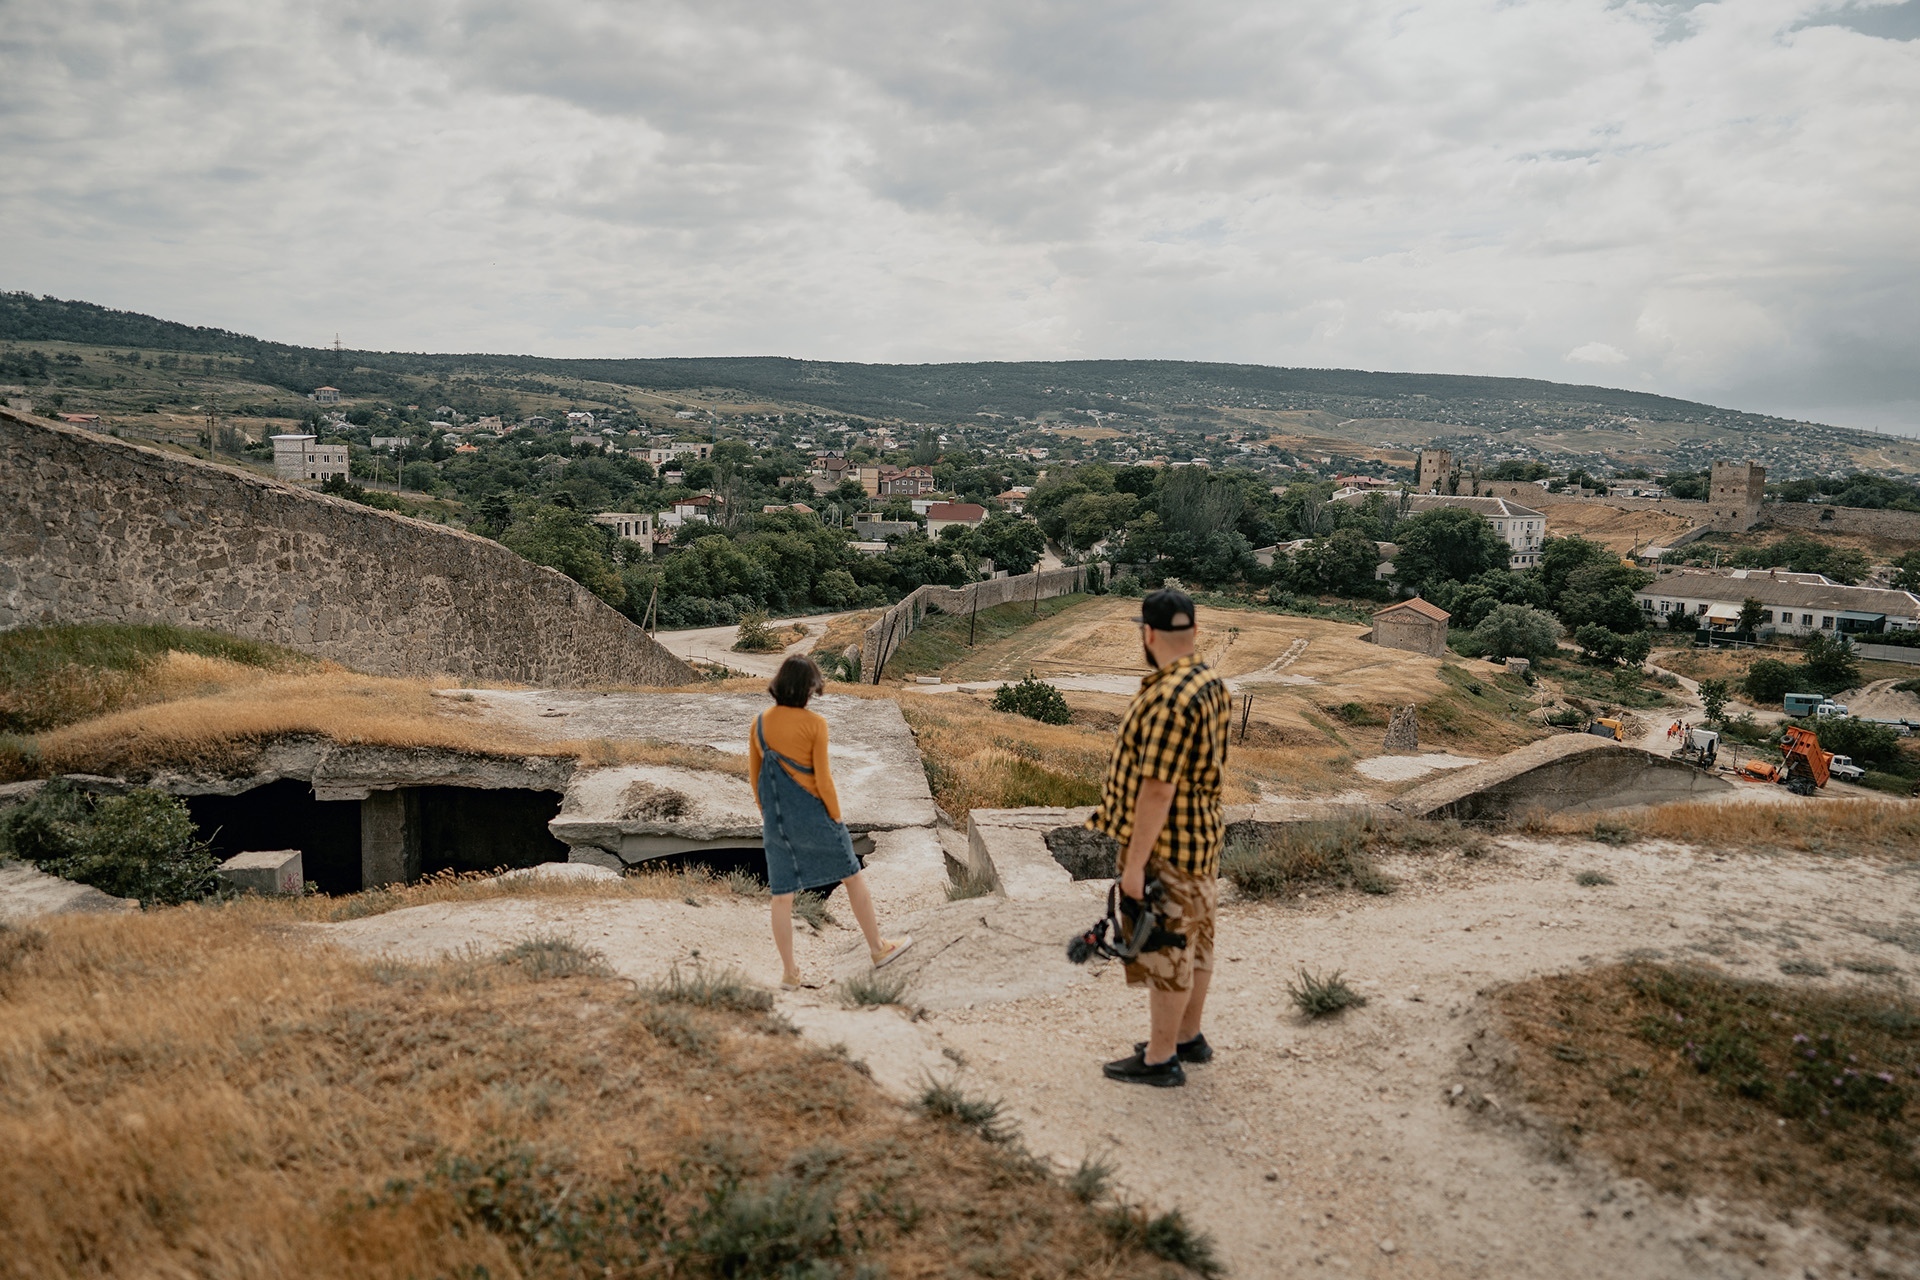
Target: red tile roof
column 970, row 512
column 1420, row 607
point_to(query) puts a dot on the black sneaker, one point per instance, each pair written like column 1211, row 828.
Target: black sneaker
column 1196, row 1050
column 1161, row 1075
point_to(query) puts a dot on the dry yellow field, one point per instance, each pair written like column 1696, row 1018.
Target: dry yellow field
column 1613, row 528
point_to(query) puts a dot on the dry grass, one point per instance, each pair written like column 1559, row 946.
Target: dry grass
column 848, row 629
column 193, row 1093
column 51, row 676
column 219, row 719
column 676, row 885
column 1793, row 1098
column 979, row 758
column 1881, row 827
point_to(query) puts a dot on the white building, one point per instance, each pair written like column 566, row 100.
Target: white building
column 1793, row 604
column 325, row 395
column 629, row 526
column 1522, row 528
column 297, row 457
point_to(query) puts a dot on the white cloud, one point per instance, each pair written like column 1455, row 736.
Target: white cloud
column 1597, row 353
column 1450, row 185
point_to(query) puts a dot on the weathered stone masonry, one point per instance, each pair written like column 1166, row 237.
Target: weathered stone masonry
column 94, row 529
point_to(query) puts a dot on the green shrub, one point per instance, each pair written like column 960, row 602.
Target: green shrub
column 140, row 845
column 755, row 635
column 1034, row 699
column 1866, row 742
column 1126, row 585
column 1770, row 680
column 1517, row 631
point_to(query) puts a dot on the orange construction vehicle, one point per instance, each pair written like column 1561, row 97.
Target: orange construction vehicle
column 1805, row 765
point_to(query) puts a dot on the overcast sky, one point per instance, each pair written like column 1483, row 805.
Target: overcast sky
column 1713, row 200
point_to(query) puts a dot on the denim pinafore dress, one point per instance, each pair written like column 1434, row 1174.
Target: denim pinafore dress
column 806, row 848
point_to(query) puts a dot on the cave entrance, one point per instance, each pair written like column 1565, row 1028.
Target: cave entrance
column 350, row 845
column 284, row 815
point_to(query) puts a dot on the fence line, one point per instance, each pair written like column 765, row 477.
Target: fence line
column 892, row 628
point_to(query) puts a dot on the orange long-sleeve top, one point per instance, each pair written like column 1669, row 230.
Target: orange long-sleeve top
column 800, row 735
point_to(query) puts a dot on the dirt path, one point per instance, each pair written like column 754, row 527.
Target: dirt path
column 1306, row 1149
column 715, row 644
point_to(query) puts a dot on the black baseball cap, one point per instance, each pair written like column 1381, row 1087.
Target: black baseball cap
column 1161, row 607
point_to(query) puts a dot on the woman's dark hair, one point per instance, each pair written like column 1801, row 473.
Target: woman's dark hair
column 797, row 680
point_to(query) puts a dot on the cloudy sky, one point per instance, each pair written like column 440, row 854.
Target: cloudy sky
column 1718, row 200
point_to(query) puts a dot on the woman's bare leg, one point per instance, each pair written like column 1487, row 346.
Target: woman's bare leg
column 862, row 903
column 783, row 933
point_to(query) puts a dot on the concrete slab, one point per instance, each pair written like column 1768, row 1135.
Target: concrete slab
column 645, row 811
column 1009, row 848
column 26, row 892
column 268, row 871
column 1573, row 773
column 876, row 762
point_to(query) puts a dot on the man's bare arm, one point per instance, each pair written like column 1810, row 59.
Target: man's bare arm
column 1149, row 817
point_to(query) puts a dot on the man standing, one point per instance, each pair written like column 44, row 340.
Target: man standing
column 1161, row 802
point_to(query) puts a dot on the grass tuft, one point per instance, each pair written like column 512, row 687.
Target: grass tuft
column 1614, row 833
column 877, row 987
column 969, row 884
column 811, row 908
column 1092, row 1179
column 1319, row 997
column 1801, row 967
column 1169, row 1236
column 1592, row 879
column 545, row 956
column 985, row 1116
column 710, row 988
column 1303, row 854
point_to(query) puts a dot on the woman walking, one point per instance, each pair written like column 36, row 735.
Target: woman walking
column 807, row 845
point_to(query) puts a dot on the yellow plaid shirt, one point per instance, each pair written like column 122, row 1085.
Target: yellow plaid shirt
column 1176, row 731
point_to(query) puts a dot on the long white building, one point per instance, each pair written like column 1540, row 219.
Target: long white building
column 1794, row 604
column 1522, row 528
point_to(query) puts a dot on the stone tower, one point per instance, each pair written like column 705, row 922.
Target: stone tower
column 1734, row 495
column 1437, row 470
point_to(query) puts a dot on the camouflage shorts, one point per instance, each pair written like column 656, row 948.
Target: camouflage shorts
column 1189, row 903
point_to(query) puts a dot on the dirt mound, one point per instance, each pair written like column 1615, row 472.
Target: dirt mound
column 1879, row 700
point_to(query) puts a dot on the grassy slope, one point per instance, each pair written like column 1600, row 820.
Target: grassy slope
column 1702, row 1084
column 941, row 640
column 51, row 676
column 200, row 1091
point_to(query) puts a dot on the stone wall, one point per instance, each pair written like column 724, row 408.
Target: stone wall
column 1405, row 629
column 897, row 623
column 98, row 530
column 1817, row 518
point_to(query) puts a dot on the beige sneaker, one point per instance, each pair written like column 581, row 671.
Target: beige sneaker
column 794, row 982
column 891, row 952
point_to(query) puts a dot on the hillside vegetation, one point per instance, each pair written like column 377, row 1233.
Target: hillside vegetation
column 1363, row 408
